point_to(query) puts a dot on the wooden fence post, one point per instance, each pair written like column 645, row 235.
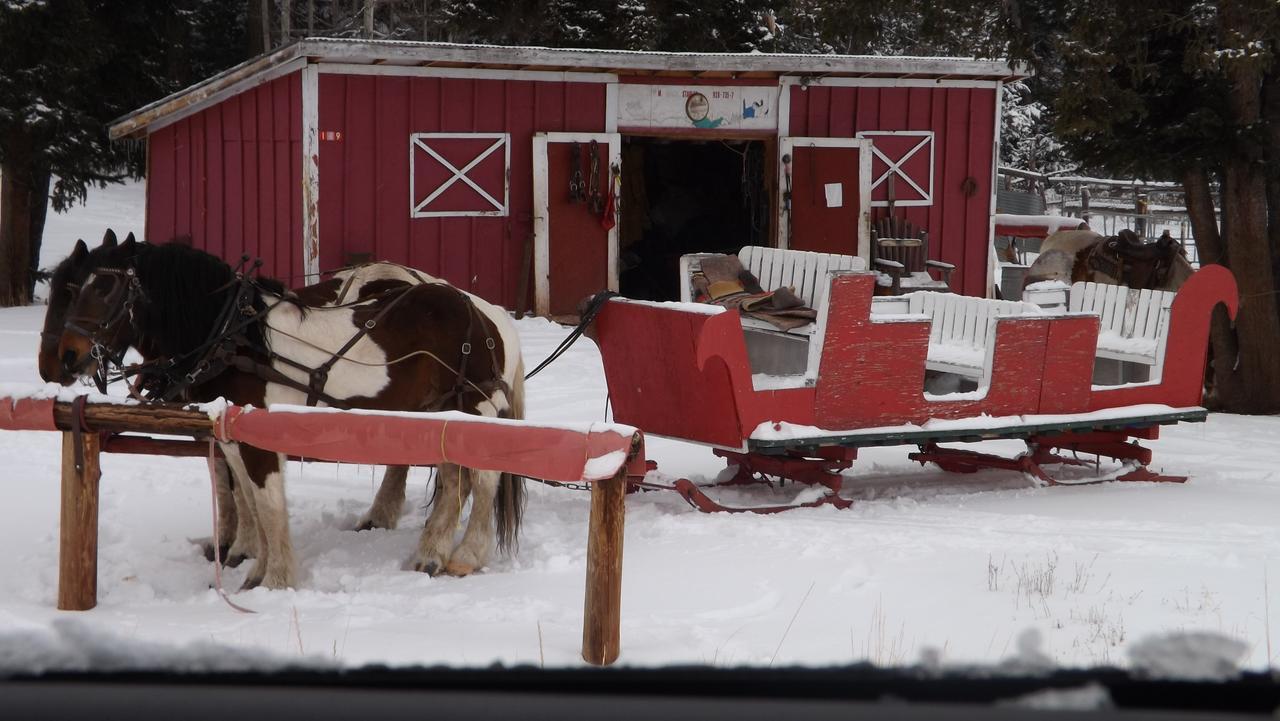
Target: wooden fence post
column 78, row 530
column 602, row 612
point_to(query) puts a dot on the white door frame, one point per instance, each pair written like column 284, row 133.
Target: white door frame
column 541, row 211
column 785, row 146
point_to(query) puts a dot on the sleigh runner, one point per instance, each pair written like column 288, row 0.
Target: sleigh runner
column 857, row 377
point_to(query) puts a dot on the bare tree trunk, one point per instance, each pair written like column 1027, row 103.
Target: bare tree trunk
column 15, row 222
column 1228, row 388
column 265, row 14
column 1244, row 207
column 286, row 21
column 1271, row 153
column 311, row 17
column 369, row 6
column 39, row 213
column 258, row 40
column 1204, row 226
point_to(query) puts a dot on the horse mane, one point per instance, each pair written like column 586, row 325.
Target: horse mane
column 186, row 291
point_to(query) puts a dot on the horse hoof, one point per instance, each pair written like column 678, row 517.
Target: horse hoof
column 459, row 569
column 232, row 561
column 250, row 584
column 370, row 522
column 431, row 567
column 209, row 556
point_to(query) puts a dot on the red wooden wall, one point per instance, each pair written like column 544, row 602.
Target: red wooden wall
column 963, row 123
column 364, row 177
column 230, row 178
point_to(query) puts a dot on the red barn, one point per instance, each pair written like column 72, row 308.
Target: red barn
column 577, row 170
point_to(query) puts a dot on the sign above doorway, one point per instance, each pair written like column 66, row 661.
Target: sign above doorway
column 698, row 107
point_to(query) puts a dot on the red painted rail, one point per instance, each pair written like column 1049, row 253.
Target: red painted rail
column 607, row 455
column 553, row 452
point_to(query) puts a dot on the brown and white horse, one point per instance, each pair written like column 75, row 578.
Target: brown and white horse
column 237, row 534
column 1071, row 256
column 169, row 300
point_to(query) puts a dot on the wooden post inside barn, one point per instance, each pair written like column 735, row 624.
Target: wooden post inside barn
column 78, row 530
column 602, row 611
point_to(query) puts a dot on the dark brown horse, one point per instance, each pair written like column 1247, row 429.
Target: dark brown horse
column 168, row 301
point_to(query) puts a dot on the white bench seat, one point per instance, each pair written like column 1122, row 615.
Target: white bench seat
column 962, row 330
column 1130, row 350
column 960, row 360
column 1133, row 324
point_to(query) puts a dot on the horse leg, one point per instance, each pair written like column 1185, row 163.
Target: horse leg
column 246, row 534
column 437, row 536
column 388, row 503
column 264, row 472
column 225, row 533
column 473, row 552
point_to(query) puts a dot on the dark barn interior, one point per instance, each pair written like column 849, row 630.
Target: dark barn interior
column 686, row 196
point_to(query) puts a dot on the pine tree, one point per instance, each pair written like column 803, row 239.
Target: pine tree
column 68, row 68
column 1176, row 89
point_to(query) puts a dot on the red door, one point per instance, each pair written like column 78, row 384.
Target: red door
column 575, row 254
column 830, row 183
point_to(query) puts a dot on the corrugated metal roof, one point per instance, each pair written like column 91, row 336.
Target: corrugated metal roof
column 499, row 57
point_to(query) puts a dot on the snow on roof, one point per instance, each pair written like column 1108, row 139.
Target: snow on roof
column 708, row 66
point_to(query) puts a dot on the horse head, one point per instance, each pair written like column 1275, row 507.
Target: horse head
column 91, row 294
column 64, row 287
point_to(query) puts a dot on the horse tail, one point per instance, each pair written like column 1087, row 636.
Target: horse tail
column 511, row 493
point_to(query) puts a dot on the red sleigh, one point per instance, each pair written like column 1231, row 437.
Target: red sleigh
column 686, row 372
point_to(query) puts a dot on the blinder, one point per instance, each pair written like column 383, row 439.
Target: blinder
column 118, row 303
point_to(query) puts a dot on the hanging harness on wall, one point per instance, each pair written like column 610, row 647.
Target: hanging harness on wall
column 597, row 200
column 609, row 217
column 786, row 192
column 577, row 192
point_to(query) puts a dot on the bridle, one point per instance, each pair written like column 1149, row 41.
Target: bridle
column 125, row 292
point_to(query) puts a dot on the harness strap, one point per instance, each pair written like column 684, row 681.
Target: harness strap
column 346, row 286
column 597, row 203
column 78, row 428
column 245, row 364
column 320, row 375
column 459, row 383
column 577, row 193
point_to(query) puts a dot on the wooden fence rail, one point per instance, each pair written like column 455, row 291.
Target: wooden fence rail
column 608, row 456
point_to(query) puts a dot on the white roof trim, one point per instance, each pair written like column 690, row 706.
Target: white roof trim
column 403, row 53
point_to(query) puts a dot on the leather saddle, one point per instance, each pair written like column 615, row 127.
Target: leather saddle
column 1125, row 257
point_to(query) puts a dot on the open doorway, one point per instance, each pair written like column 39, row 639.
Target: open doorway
column 687, row 196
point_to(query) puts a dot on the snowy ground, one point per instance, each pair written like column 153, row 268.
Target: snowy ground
column 926, row 564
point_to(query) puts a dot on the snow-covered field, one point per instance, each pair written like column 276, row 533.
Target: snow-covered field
column 963, row 569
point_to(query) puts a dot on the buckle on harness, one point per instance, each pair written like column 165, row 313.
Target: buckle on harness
column 466, row 349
